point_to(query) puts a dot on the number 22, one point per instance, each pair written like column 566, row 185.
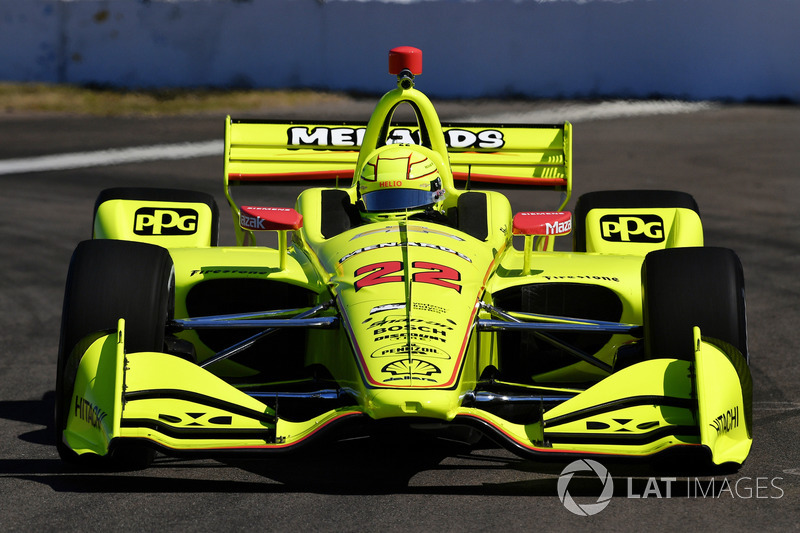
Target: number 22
column 432, row 273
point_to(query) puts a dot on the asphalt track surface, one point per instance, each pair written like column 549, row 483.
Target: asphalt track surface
column 742, row 164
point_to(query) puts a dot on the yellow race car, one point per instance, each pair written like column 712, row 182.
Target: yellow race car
column 397, row 299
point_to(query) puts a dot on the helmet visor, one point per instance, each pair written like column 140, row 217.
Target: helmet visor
column 399, row 199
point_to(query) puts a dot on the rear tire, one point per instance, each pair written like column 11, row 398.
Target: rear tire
column 687, row 287
column 109, row 280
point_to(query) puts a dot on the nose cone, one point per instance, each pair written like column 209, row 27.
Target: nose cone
column 408, row 298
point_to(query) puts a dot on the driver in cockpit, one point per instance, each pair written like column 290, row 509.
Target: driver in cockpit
column 399, row 183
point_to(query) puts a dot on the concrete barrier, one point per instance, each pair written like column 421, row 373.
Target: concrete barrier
column 700, row 49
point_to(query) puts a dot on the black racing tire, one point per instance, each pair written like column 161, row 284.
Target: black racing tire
column 624, row 199
column 687, row 287
column 109, row 280
column 154, row 194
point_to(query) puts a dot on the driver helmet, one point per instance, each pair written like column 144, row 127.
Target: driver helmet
column 397, row 182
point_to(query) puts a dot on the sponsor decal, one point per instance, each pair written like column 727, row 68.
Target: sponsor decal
column 632, row 228
column 397, row 319
column 249, row 222
column 558, row 228
column 353, row 137
column 620, row 425
column 197, row 419
column 89, row 412
column 396, row 244
column 269, row 218
column 727, row 421
column 401, row 334
column 404, row 349
column 237, row 271
column 420, row 306
column 325, row 136
column 577, row 276
column 155, row 221
column 409, row 228
column 542, row 223
column 458, row 138
column 401, row 328
column 386, row 307
column 407, row 369
column 417, row 306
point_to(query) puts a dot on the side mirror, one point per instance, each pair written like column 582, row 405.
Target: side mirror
column 269, row 218
column 280, row 219
column 540, row 224
column 543, row 223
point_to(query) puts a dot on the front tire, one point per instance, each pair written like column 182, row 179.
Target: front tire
column 109, row 280
column 687, row 287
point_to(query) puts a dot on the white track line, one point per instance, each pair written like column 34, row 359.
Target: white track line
column 573, row 112
column 583, row 112
column 112, row 157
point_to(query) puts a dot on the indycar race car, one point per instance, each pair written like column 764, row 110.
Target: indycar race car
column 397, row 300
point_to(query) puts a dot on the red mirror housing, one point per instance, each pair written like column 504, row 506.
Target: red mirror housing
column 269, row 218
column 543, row 223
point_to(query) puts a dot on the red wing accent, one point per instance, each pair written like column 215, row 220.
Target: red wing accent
column 543, row 223
column 270, row 218
column 294, row 176
column 510, row 180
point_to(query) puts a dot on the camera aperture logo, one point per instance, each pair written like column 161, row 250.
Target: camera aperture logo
column 586, row 509
column 744, row 487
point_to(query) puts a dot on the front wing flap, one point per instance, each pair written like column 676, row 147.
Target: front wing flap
column 171, row 404
column 646, row 409
column 639, row 411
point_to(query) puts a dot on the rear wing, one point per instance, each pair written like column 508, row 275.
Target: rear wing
column 481, row 156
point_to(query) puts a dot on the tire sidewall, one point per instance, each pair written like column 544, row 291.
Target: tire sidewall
column 109, row 280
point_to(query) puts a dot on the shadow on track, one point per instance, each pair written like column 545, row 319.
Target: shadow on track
column 375, row 465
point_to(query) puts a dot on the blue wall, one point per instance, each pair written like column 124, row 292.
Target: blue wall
column 691, row 49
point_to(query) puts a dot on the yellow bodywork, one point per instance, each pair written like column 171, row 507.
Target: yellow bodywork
column 408, row 296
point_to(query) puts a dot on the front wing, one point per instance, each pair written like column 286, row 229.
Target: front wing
column 176, row 406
